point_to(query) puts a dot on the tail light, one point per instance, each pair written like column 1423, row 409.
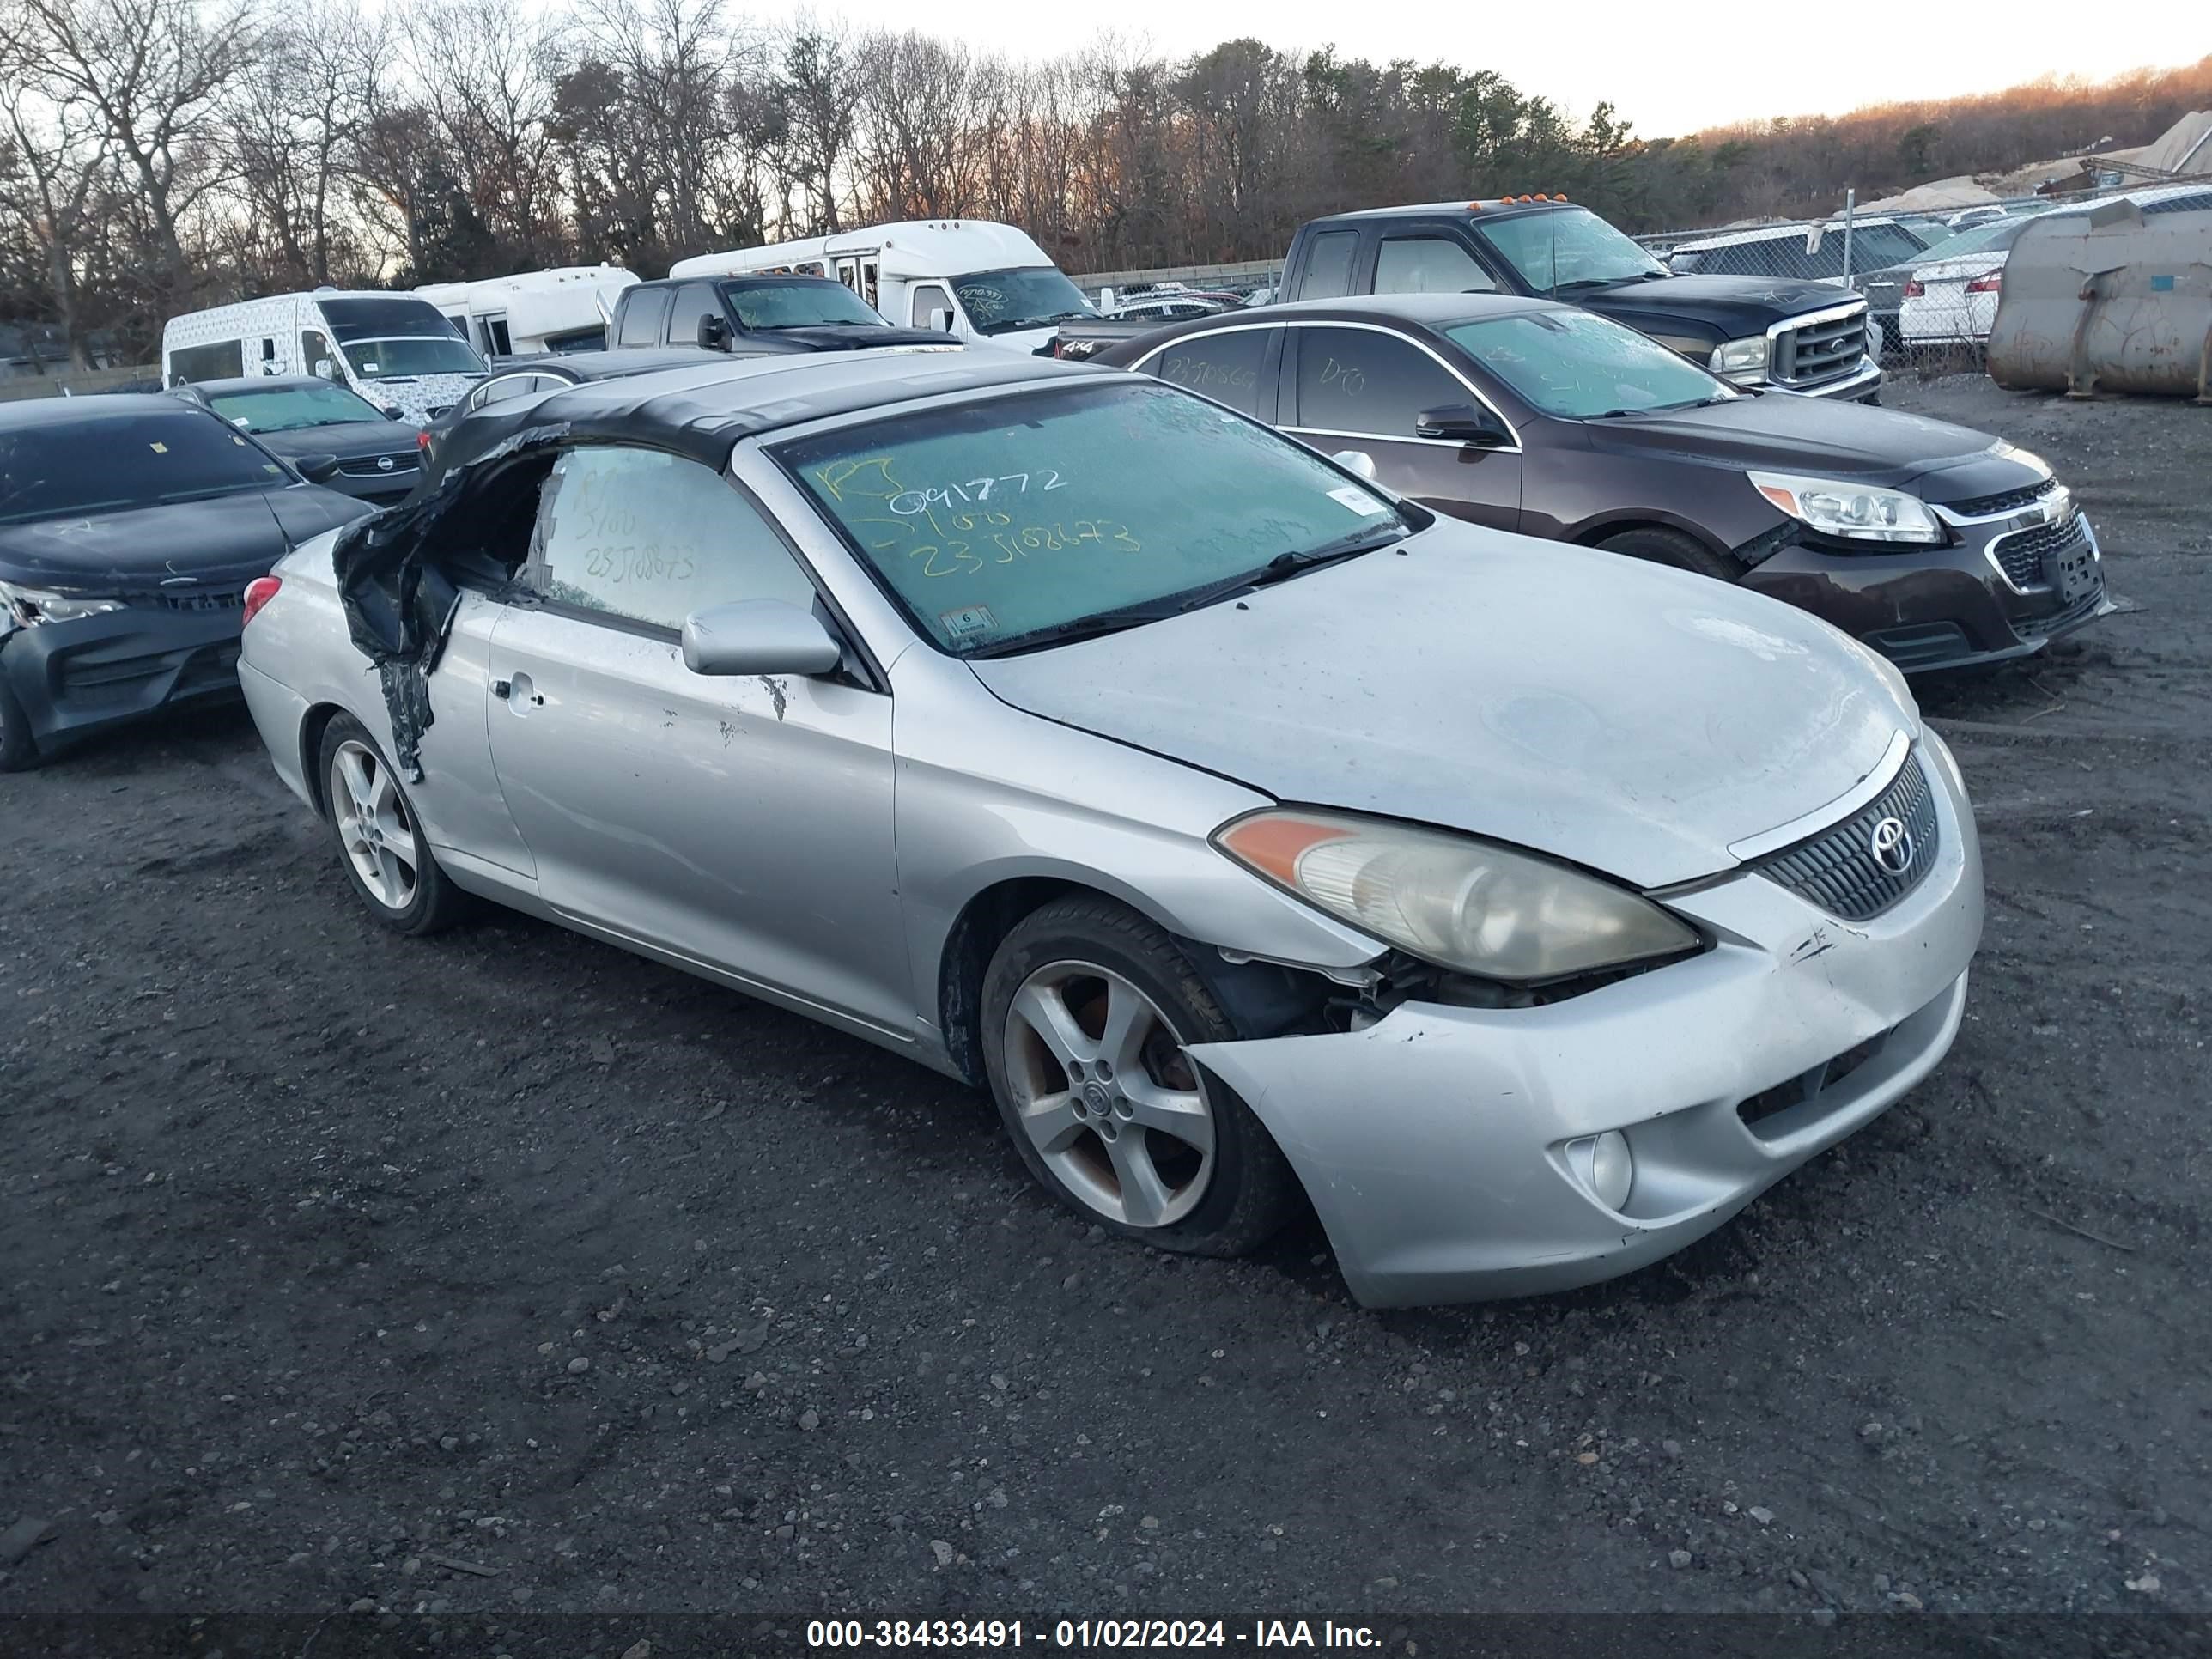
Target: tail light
column 1914, row 287
column 1992, row 283
column 258, row 592
column 423, row 439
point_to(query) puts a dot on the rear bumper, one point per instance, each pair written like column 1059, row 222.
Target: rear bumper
column 1434, row 1144
column 75, row 678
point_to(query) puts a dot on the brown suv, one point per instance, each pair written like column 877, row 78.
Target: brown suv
column 1936, row 545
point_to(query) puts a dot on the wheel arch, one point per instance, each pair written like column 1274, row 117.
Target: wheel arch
column 316, row 723
column 1590, row 531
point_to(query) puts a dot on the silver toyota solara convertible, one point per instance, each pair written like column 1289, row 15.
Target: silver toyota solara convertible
column 1245, row 831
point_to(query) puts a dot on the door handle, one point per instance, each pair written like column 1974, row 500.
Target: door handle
column 518, row 690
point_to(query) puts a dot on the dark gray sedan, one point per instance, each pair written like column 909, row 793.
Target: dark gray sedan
column 301, row 419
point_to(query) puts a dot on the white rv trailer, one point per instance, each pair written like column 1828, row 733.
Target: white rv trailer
column 535, row 311
column 987, row 282
column 396, row 351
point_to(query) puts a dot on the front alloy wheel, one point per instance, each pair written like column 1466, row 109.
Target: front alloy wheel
column 1089, row 1014
column 1106, row 1096
column 373, row 826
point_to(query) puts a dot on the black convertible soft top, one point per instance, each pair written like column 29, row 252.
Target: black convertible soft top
column 400, row 573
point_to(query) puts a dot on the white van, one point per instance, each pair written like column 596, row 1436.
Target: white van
column 987, row 282
column 396, row 351
column 535, row 311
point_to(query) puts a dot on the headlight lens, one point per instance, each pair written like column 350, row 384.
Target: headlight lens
column 30, row 606
column 1742, row 359
column 1458, row 903
column 1860, row 512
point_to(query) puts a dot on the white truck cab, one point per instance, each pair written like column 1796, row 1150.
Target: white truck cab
column 987, row 282
column 534, row 312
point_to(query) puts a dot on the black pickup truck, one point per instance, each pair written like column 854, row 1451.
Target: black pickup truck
column 1807, row 337
column 753, row 315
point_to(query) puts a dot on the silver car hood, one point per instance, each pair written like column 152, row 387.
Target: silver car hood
column 1625, row 717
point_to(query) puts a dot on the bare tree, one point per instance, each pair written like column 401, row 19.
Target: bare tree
column 153, row 71
column 52, row 160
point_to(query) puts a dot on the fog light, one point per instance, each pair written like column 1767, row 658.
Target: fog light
column 1604, row 1165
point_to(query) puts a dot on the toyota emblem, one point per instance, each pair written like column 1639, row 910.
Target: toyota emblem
column 384, row 463
column 1891, row 843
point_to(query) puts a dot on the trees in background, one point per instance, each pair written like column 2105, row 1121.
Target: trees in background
column 157, row 154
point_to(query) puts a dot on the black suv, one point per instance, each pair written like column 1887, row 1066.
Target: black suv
column 759, row 314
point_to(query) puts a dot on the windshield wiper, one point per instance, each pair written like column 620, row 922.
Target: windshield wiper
column 1282, row 568
column 206, row 492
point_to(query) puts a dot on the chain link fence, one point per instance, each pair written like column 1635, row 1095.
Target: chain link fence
column 1932, row 278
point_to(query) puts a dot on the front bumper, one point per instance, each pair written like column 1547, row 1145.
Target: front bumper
column 1433, row 1143
column 1939, row 607
column 1862, row 384
column 75, row 678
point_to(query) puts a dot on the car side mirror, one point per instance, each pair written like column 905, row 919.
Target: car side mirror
column 1461, row 423
column 1357, row 462
column 940, row 320
column 395, row 413
column 326, row 370
column 713, row 333
column 316, row 469
column 758, row 636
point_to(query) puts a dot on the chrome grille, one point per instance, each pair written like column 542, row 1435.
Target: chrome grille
column 1837, row 869
column 2026, row 556
column 367, row 467
column 2009, row 500
column 1814, row 352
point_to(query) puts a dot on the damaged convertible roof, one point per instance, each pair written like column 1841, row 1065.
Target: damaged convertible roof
column 702, row 413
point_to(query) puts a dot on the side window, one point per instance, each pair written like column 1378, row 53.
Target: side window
column 507, row 385
column 928, row 297
column 1328, row 275
column 1224, row 367
column 694, row 301
column 314, row 350
column 1357, row 381
column 1428, row 265
column 642, row 312
column 497, row 337
column 654, row 538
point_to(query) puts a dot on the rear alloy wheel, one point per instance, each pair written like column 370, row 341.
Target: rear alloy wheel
column 1092, row 1010
column 1656, row 545
column 379, row 839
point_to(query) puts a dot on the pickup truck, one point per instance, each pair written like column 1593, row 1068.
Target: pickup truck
column 1811, row 338
column 756, row 315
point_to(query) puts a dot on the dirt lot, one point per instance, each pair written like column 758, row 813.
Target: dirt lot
column 328, row 1258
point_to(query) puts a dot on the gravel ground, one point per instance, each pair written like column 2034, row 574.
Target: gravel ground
column 332, row 1260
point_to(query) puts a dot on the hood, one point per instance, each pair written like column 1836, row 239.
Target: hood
column 1629, row 718
column 1038, row 341
column 225, row 541
column 354, row 440
column 1731, row 307
column 1781, row 434
column 860, row 339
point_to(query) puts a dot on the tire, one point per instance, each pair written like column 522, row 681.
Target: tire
column 1671, row 547
column 389, row 863
column 18, row 749
column 1218, row 1184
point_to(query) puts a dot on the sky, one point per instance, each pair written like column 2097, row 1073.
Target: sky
column 1669, row 69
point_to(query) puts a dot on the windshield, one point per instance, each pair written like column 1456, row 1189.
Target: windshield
column 400, row 360
column 291, row 408
column 1993, row 238
column 801, row 303
column 105, row 464
column 1000, row 301
column 1016, row 518
column 1566, row 247
column 1579, row 367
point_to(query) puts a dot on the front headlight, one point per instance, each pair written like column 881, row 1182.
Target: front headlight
column 30, row 606
column 1742, row 359
column 1458, row 903
column 1859, row 513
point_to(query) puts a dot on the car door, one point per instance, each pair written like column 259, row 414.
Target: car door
column 1360, row 386
column 743, row 824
